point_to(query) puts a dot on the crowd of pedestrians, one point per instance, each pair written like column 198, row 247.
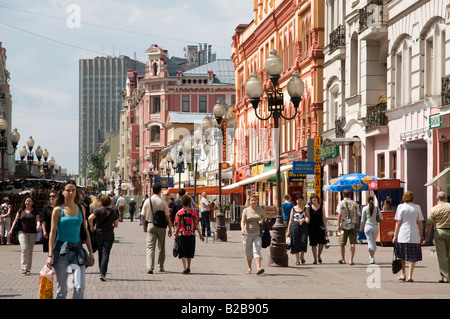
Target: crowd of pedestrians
column 75, row 226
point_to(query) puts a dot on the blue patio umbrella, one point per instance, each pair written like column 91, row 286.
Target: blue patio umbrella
column 355, row 182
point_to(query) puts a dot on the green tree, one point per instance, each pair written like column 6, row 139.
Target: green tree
column 96, row 166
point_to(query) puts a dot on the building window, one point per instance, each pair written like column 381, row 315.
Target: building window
column 137, row 139
column 381, row 165
column 155, row 133
column 185, row 106
column 434, row 42
column 156, row 104
column 393, row 156
column 354, row 65
column 202, row 104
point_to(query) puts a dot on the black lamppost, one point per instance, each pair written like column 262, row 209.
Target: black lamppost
column 167, row 165
column 14, row 137
column 29, row 154
column 275, row 108
column 219, row 113
column 151, row 173
column 178, row 165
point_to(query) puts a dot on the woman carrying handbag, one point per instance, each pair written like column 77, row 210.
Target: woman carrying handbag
column 65, row 242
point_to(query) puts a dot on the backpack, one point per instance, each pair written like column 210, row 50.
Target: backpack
column 176, row 207
column 159, row 217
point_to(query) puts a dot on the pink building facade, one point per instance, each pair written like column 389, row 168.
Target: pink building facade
column 166, row 87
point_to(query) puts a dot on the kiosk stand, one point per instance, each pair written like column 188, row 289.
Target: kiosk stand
column 389, row 195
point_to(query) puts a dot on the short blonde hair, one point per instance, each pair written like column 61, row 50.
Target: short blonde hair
column 408, row 197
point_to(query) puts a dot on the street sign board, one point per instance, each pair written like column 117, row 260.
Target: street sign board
column 303, row 167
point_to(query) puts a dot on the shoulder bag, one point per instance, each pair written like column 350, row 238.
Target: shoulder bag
column 18, row 224
column 159, row 218
column 266, row 238
column 83, row 233
column 176, row 246
column 396, row 264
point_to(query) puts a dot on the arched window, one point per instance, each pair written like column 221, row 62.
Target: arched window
column 434, row 56
column 155, row 133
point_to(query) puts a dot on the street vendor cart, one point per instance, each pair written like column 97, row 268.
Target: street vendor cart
column 389, row 194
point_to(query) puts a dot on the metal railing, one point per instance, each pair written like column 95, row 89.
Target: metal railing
column 339, row 127
column 370, row 16
column 445, row 91
column 376, row 115
column 337, row 38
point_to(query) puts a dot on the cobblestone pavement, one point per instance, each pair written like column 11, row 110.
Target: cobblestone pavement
column 218, row 272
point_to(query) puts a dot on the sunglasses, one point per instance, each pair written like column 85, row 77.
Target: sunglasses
column 52, row 196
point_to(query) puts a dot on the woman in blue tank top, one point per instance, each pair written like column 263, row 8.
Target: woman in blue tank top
column 65, row 245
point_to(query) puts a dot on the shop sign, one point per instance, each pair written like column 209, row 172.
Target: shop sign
column 271, row 211
column 296, row 177
column 435, row 121
column 303, row 167
column 328, row 151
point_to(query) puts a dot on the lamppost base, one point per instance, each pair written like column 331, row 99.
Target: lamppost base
column 278, row 256
column 221, row 233
column 221, row 228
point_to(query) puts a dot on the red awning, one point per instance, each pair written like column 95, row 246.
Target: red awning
column 210, row 190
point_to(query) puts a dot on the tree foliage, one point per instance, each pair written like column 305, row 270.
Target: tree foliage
column 96, row 166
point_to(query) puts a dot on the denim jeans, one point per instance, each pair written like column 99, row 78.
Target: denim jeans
column 65, row 265
column 206, row 223
column 104, row 244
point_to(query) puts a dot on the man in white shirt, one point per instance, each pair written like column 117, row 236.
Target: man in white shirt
column 121, row 205
column 154, row 233
column 348, row 211
column 205, row 214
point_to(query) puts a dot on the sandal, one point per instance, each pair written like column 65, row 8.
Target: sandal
column 297, row 263
column 341, row 261
column 24, row 271
column 320, row 261
column 401, row 278
column 303, row 261
column 260, row 271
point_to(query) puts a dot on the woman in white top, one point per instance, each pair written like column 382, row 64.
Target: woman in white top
column 408, row 234
column 369, row 223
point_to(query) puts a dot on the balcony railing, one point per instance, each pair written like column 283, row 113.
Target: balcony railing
column 445, row 91
column 337, row 38
column 376, row 115
column 370, row 16
column 339, row 127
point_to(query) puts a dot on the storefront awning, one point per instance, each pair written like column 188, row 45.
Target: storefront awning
column 261, row 177
column 340, row 140
column 210, row 190
column 441, row 181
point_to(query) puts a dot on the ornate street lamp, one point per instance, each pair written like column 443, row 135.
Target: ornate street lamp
column 275, row 99
column 151, row 173
column 198, row 135
column 208, row 123
column 14, row 137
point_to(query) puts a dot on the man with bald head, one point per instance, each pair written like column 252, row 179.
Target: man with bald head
column 205, row 214
column 440, row 218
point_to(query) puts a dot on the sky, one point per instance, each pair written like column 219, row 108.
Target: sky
column 44, row 41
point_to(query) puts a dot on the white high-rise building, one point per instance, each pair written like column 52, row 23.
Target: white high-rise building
column 101, row 81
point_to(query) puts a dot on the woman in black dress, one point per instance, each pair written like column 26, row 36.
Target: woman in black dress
column 317, row 227
column 298, row 230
